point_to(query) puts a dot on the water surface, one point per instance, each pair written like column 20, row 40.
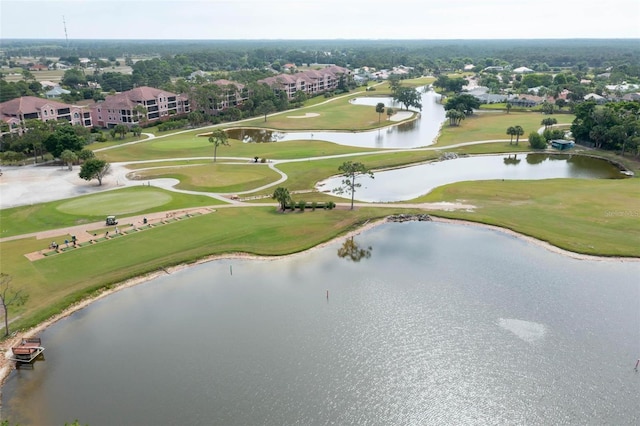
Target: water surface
column 413, row 181
column 441, row 324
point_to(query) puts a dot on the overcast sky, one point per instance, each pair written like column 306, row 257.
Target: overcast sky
column 319, row 19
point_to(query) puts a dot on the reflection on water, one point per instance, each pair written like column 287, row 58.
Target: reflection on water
column 411, row 182
column 350, row 250
column 450, row 324
column 422, row 131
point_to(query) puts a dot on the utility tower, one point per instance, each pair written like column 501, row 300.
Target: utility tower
column 64, row 22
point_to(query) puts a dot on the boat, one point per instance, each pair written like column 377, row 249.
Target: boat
column 28, row 350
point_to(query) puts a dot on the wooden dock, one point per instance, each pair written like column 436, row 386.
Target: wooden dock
column 27, row 351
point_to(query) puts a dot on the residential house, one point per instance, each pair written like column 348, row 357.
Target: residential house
column 121, row 108
column 522, row 70
column 16, row 111
column 595, row 97
column 56, row 92
column 311, row 82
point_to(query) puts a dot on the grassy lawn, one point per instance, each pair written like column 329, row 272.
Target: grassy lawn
column 493, row 125
column 215, row 177
column 599, row 217
column 189, row 145
column 95, row 207
column 62, row 279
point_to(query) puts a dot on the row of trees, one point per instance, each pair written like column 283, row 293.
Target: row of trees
column 613, row 127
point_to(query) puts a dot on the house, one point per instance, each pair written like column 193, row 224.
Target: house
column 311, row 82
column 16, row 111
column 197, row 74
column 595, row 97
column 122, row 107
column 56, row 92
column 526, row 101
column 631, row 97
column 38, row 67
column 522, row 70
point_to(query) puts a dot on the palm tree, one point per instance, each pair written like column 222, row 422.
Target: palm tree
column 511, row 131
column 218, row 137
column 519, row 131
column 379, row 110
column 283, row 197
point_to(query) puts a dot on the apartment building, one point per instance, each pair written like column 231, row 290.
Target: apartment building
column 122, row 108
column 16, row 111
column 311, row 82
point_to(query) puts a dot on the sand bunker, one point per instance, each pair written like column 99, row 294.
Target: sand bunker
column 307, row 115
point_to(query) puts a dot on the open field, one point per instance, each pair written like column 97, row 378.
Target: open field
column 215, row 177
column 599, row 217
column 493, row 125
column 93, row 208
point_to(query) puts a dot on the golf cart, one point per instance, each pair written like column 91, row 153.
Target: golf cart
column 111, row 220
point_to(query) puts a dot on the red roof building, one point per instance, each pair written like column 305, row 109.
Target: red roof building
column 15, row 111
column 122, row 107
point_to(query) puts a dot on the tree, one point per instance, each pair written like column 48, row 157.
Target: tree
column 561, row 103
column 218, row 137
column 9, row 297
column 121, row 129
column 68, row 157
column 350, row 172
column 282, row 196
column 547, row 108
column 64, row 137
column 511, row 131
column 265, row 108
column 508, row 107
column 518, row 131
column 86, row 154
column 465, row 103
column 379, row 110
column 537, row 141
column 94, row 169
column 390, row 112
column 548, row 122
column 455, row 117
column 409, row 97
column 299, row 98
column 74, row 78
column 136, row 130
column 141, row 114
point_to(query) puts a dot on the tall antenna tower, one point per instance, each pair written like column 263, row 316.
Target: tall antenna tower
column 64, row 22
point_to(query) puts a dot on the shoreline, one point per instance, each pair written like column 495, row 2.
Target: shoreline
column 6, row 366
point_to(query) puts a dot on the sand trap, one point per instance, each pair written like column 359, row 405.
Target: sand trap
column 307, row 115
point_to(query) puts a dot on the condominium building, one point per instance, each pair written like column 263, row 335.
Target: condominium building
column 312, row 82
column 139, row 105
column 16, row 111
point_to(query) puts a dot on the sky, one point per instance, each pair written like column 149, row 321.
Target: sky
column 319, row 19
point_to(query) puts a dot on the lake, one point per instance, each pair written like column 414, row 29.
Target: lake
column 416, row 133
column 410, row 182
column 418, row 323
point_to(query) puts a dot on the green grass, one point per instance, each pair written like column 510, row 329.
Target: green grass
column 189, row 145
column 598, row 217
column 93, row 208
column 493, row 125
column 215, row 177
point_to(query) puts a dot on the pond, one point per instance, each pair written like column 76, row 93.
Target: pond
column 411, row 182
column 407, row 323
column 420, row 132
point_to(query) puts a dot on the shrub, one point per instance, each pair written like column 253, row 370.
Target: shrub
column 314, row 205
column 537, row 141
column 330, row 205
column 302, row 205
column 263, row 160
